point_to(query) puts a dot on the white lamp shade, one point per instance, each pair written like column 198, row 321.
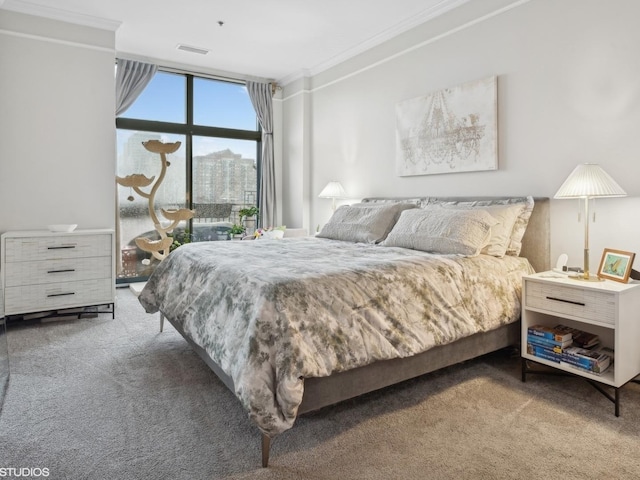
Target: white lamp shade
column 333, row 190
column 589, row 181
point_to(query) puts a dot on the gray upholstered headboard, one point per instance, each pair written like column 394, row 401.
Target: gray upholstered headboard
column 536, row 243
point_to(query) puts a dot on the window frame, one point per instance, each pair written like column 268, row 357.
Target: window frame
column 189, row 130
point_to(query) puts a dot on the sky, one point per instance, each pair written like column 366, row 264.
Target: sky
column 216, row 103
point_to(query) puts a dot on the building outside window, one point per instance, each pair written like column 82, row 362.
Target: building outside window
column 215, row 171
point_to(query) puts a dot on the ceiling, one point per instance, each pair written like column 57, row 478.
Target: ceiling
column 273, row 39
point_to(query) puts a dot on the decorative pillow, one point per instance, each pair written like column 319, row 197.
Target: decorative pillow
column 515, row 242
column 515, row 246
column 270, row 233
column 506, row 216
column 362, row 222
column 442, row 230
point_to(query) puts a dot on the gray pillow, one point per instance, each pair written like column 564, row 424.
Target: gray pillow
column 442, row 230
column 363, row 222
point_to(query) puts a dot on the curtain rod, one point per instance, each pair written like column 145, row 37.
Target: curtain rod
column 274, row 85
column 201, row 74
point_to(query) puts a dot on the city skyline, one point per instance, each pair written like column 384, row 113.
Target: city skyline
column 219, row 176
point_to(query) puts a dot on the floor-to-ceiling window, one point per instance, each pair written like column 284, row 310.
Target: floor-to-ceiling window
column 215, row 171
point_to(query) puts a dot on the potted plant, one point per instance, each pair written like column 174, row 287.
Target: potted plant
column 248, row 212
column 180, row 239
column 245, row 214
column 236, row 231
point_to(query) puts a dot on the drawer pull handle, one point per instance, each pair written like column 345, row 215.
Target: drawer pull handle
column 60, row 294
column 62, row 271
column 60, row 247
column 566, row 301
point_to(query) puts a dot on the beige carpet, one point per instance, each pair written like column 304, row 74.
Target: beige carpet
column 115, row 399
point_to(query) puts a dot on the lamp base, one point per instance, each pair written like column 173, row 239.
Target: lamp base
column 590, row 278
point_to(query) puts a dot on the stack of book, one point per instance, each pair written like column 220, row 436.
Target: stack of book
column 548, row 342
column 569, row 347
column 580, row 338
column 593, row 361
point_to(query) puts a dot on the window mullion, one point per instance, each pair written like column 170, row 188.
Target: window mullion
column 189, row 148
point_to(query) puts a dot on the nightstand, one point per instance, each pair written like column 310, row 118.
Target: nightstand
column 608, row 309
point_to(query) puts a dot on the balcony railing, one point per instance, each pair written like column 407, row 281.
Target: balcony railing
column 205, row 212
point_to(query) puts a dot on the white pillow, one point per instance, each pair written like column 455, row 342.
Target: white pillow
column 362, row 222
column 506, row 216
column 442, row 230
column 269, row 233
column 520, row 227
column 272, row 234
column 515, row 243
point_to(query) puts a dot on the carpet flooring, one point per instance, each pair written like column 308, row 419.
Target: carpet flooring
column 97, row 398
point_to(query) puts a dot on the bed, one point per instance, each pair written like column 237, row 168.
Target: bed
column 294, row 325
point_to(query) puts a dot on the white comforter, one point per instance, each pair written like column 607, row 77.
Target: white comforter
column 272, row 312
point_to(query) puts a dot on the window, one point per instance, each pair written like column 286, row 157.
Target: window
column 214, row 171
column 222, row 104
column 163, row 100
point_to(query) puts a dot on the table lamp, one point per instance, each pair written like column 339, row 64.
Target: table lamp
column 333, row 190
column 588, row 181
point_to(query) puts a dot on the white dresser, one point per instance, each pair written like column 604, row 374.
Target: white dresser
column 44, row 271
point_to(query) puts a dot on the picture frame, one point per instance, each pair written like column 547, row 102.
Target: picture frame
column 450, row 130
column 616, row 265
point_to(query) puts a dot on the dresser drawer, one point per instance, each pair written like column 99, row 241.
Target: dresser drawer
column 54, row 271
column 586, row 304
column 36, row 298
column 56, row 247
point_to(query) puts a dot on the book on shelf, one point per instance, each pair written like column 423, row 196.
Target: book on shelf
column 547, row 342
column 580, row 337
column 594, row 360
column 583, row 369
column 544, row 352
column 552, row 333
column 607, row 351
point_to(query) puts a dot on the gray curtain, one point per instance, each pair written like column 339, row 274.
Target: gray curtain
column 261, row 98
column 131, row 78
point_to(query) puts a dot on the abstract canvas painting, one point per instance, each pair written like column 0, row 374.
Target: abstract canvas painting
column 451, row 130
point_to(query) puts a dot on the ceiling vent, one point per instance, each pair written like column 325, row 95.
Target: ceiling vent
column 187, row 48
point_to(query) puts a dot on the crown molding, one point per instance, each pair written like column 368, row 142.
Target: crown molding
column 29, row 8
column 423, row 17
column 293, row 76
column 325, row 66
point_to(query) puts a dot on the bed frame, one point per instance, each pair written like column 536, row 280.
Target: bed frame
column 325, row 391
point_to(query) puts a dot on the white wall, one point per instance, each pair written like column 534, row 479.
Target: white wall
column 568, row 93
column 57, row 128
column 295, row 128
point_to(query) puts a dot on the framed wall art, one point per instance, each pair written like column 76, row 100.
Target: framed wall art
column 448, row 131
column 616, row 265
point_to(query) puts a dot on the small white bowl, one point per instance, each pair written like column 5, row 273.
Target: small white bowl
column 62, row 228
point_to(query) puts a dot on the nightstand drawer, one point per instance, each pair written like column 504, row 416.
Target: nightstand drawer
column 592, row 305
